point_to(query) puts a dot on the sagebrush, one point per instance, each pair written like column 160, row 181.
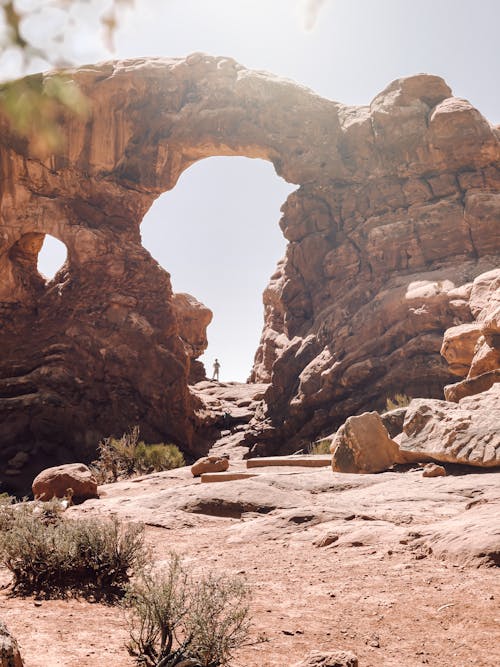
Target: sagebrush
column 320, row 446
column 52, row 556
column 397, row 401
column 177, row 618
column 128, row 456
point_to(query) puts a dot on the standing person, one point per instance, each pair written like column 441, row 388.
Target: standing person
column 215, row 375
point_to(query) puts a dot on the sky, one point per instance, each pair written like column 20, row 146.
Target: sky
column 217, row 231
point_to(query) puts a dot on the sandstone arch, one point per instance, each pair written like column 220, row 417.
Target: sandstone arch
column 381, row 186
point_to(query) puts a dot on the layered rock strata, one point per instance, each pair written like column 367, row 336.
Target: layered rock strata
column 397, row 207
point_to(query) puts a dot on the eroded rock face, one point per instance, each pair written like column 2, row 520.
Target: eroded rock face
column 193, row 319
column 395, row 211
column 465, row 432
column 473, row 350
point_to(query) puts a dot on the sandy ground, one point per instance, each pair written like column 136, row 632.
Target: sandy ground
column 375, row 590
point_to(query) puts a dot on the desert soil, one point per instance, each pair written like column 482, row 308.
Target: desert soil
column 408, row 577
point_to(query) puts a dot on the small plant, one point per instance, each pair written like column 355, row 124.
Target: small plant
column 320, row 446
column 175, row 618
column 51, row 556
column 128, row 456
column 397, row 401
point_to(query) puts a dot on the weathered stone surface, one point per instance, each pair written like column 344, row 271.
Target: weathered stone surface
column 9, row 650
column 362, row 445
column 393, row 421
column 210, row 464
column 55, row 482
column 473, row 350
column 329, row 659
column 395, row 211
column 465, row 432
column 193, row 319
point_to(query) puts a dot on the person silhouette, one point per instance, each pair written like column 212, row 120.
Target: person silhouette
column 215, row 375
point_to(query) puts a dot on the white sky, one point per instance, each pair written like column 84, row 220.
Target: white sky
column 217, row 231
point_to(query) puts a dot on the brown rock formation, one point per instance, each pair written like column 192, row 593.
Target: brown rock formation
column 465, row 433
column 193, row 319
column 473, row 350
column 395, row 210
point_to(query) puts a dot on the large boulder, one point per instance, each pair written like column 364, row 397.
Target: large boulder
column 55, row 482
column 363, row 445
column 9, row 650
column 466, row 432
column 329, row 659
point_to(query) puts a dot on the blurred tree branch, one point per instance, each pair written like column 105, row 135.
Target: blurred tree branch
column 32, row 105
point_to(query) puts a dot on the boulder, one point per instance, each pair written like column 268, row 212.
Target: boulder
column 363, row 445
column 210, row 464
column 9, row 650
column 329, row 659
column 55, row 482
column 433, row 470
column 466, row 432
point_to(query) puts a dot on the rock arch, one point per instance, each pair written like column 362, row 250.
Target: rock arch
column 381, row 186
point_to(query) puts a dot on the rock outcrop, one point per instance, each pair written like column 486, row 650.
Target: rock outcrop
column 396, row 209
column 473, row 350
column 193, row 319
column 466, row 432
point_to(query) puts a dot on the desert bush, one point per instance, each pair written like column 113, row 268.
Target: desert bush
column 397, row 401
column 53, row 557
column 128, row 456
column 175, row 618
column 320, row 446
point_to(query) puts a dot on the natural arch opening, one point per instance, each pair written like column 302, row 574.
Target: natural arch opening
column 217, row 234
column 51, row 257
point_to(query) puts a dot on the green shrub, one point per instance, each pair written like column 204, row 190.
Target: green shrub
column 397, row 401
column 128, row 456
column 53, row 557
column 176, row 618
